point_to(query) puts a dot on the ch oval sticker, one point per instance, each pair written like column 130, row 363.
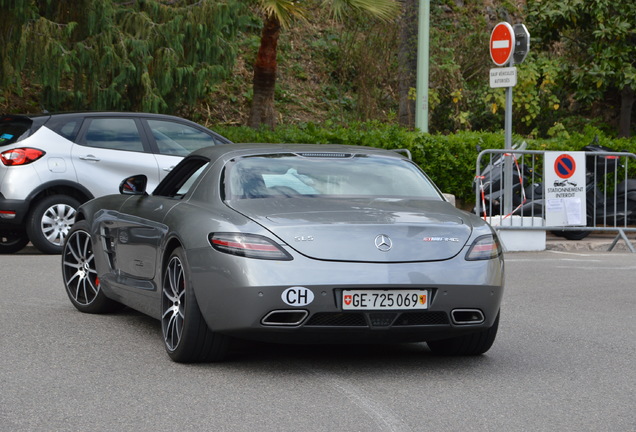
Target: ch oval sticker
column 297, row 296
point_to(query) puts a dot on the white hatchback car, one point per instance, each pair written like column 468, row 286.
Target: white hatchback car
column 50, row 164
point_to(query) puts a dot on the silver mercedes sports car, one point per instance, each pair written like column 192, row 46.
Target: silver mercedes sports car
column 290, row 244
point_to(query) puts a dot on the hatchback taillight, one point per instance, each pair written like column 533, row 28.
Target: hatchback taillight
column 20, row 156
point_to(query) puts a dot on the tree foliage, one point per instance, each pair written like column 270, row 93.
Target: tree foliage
column 14, row 14
column 597, row 39
column 538, row 97
column 280, row 14
column 176, row 56
column 581, row 64
column 144, row 55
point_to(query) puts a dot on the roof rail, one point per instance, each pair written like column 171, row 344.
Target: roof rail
column 405, row 152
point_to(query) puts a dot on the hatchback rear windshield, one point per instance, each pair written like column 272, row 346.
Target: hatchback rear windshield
column 14, row 129
column 326, row 175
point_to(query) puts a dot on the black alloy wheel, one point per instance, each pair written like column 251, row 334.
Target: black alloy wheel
column 80, row 274
column 186, row 335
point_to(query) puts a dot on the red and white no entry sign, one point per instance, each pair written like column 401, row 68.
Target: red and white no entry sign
column 502, row 43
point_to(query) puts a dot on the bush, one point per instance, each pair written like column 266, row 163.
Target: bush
column 449, row 160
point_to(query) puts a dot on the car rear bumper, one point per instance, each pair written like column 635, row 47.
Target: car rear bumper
column 257, row 309
column 12, row 212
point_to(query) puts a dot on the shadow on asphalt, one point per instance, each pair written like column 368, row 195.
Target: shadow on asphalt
column 246, row 354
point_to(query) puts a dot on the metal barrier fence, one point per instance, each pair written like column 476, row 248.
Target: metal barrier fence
column 610, row 193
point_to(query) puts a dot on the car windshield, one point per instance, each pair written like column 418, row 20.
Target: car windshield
column 331, row 175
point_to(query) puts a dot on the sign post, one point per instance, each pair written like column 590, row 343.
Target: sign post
column 504, row 50
column 421, row 94
column 502, row 42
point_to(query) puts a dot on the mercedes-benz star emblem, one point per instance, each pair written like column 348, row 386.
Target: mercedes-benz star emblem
column 383, row 243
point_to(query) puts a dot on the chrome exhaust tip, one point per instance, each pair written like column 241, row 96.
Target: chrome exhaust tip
column 284, row 318
column 467, row 316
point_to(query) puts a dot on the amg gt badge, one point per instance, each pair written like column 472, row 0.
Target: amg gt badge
column 441, row 239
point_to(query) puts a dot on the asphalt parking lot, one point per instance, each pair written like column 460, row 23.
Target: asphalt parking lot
column 563, row 360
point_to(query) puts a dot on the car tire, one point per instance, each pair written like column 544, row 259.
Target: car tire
column 80, row 274
column 50, row 222
column 467, row 345
column 186, row 335
column 12, row 240
column 572, row 235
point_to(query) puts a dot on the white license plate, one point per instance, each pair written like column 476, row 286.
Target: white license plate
column 384, row 300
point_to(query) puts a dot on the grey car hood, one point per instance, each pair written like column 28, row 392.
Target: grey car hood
column 354, row 230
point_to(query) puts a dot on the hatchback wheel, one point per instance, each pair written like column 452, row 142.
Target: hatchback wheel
column 50, row 222
column 80, row 274
column 186, row 335
column 12, row 240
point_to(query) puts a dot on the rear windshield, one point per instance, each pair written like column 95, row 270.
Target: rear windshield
column 13, row 129
column 320, row 175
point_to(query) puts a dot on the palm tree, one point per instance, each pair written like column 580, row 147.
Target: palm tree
column 279, row 14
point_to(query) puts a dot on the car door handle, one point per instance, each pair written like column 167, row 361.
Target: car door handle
column 168, row 169
column 89, row 157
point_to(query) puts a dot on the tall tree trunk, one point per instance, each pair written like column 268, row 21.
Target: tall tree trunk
column 264, row 83
column 627, row 105
column 407, row 59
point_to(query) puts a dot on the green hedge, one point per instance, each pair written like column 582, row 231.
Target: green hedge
column 448, row 159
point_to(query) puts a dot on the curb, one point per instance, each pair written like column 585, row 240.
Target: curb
column 594, row 242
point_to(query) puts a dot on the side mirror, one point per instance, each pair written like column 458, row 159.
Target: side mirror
column 134, row 185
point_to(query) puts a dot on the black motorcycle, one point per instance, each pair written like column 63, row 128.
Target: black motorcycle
column 490, row 184
column 610, row 201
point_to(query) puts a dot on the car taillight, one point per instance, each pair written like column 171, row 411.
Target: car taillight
column 248, row 245
column 20, row 156
column 484, row 248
